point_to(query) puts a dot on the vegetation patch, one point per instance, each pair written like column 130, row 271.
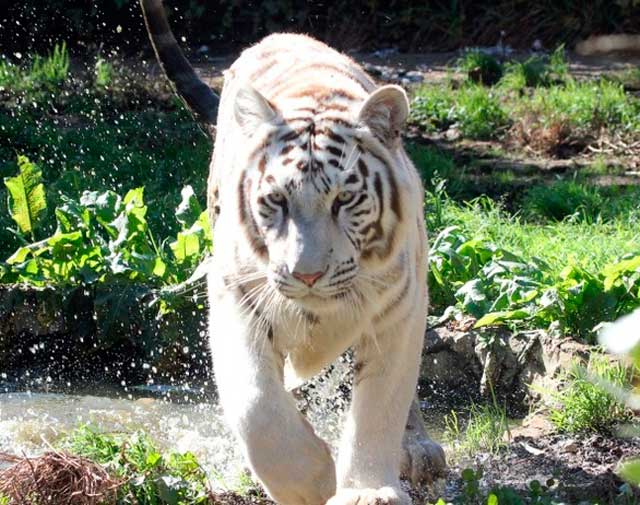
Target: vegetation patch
column 534, row 104
column 486, row 430
column 585, row 403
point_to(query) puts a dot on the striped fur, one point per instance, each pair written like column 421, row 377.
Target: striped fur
column 309, row 180
column 320, row 246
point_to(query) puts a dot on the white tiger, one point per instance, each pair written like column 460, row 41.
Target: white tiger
column 320, row 246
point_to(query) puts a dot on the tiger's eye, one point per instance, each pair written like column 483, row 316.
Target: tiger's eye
column 277, row 197
column 345, row 196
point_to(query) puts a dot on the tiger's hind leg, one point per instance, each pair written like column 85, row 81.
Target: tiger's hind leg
column 423, row 459
column 282, row 450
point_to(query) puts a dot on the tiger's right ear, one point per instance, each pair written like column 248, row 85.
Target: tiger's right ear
column 252, row 109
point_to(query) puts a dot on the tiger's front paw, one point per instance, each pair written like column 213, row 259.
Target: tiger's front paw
column 381, row 496
column 423, row 460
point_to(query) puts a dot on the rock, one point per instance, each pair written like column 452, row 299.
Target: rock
column 474, row 361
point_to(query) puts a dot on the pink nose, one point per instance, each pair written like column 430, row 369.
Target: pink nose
column 308, row 279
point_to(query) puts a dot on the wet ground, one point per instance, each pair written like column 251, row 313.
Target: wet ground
column 582, row 468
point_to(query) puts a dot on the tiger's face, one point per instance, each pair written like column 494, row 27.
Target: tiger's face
column 321, row 201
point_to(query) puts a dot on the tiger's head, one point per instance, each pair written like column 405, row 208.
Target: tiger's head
column 320, row 201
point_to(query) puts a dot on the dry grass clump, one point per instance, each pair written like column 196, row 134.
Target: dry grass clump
column 56, row 478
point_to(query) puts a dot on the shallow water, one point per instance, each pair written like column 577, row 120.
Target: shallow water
column 30, row 422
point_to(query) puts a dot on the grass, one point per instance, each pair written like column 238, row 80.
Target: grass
column 589, row 244
column 534, row 103
column 484, row 430
column 584, row 404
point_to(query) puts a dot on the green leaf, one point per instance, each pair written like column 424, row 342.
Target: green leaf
column 189, row 209
column 630, row 471
column 19, row 256
column 186, row 246
column 494, row 318
column 614, row 271
column 27, row 202
column 492, row 499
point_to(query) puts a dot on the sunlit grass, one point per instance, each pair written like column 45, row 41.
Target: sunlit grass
column 584, row 404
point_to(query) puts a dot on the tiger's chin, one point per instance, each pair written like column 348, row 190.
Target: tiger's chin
column 322, row 305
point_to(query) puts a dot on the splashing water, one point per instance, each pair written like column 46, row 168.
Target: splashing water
column 32, row 422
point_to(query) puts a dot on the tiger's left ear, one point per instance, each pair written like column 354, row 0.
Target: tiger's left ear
column 385, row 112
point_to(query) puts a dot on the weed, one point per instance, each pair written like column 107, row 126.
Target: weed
column 44, row 72
column 584, row 404
column 53, row 69
column 148, row 476
column 472, row 493
column 522, row 74
column 480, row 67
column 103, row 73
column 433, row 107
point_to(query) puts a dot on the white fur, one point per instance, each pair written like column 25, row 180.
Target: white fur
column 293, row 464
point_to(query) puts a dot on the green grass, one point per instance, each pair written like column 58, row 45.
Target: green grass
column 484, row 430
column 584, row 405
column 42, row 72
column 581, row 201
column 554, row 242
column 583, row 105
column 536, row 95
column 474, row 109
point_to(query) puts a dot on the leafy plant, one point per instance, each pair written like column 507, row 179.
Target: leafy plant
column 106, row 238
column 27, row 203
column 472, row 493
column 149, row 477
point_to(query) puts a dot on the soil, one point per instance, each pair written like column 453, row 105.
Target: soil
column 582, row 468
